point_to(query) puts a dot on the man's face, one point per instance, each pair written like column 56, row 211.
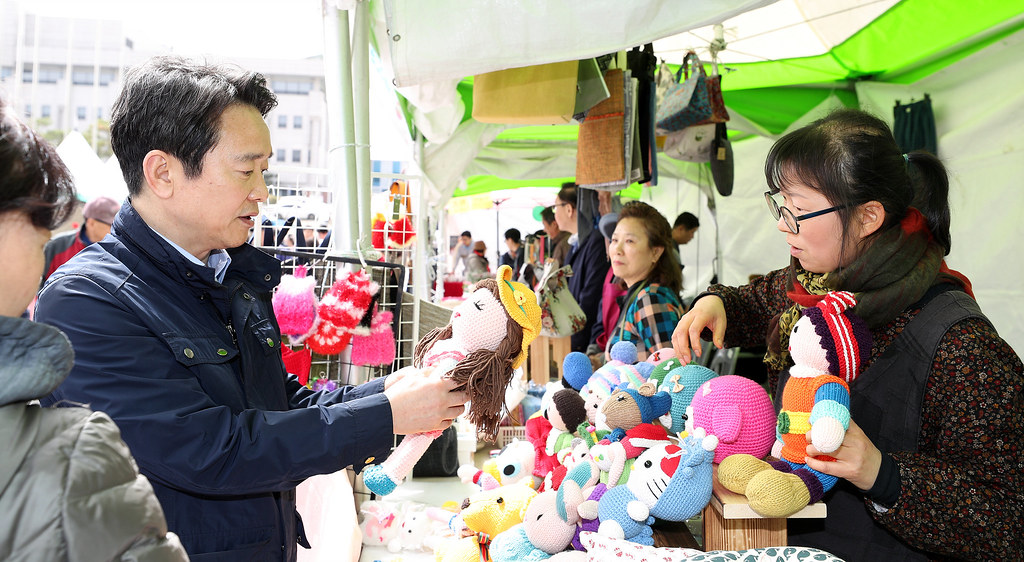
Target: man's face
column 465, row 240
column 682, row 235
column 216, row 209
column 96, row 229
column 551, row 228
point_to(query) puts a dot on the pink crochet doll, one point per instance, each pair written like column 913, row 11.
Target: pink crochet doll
column 487, row 339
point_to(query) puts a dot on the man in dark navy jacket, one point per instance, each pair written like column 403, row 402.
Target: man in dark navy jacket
column 174, row 333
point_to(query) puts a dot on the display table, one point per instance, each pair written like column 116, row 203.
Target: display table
column 730, row 523
column 543, row 350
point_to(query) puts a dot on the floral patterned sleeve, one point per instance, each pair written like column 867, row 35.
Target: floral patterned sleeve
column 963, row 490
column 750, row 308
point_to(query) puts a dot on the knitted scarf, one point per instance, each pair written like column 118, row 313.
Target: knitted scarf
column 894, row 272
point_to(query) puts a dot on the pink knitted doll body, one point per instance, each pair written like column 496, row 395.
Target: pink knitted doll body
column 486, row 340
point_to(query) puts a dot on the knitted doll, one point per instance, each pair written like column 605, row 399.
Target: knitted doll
column 829, row 345
column 487, row 339
column 681, row 383
column 738, row 412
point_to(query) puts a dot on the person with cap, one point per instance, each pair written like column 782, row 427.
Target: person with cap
column 477, row 266
column 98, row 215
column 640, row 255
column 174, row 331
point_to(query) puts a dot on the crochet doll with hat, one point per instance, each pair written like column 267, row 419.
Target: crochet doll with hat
column 829, row 346
column 487, row 338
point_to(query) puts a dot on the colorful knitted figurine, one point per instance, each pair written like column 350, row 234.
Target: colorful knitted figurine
column 486, row 514
column 829, row 346
column 681, row 383
column 488, row 338
column 738, row 412
column 667, row 481
column 513, row 464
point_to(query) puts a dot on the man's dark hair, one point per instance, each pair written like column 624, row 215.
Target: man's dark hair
column 35, row 181
column 688, row 220
column 467, row 234
column 568, row 193
column 548, row 214
column 175, row 105
column 514, row 235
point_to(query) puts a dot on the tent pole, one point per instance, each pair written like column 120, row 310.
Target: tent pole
column 341, row 155
column 361, row 103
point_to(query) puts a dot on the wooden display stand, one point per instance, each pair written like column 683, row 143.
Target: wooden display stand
column 543, row 350
column 730, row 523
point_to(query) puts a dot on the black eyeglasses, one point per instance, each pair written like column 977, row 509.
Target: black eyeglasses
column 792, row 221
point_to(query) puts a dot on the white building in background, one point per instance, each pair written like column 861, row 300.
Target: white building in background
column 63, row 74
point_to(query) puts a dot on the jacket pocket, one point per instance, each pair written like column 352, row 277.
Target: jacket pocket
column 197, row 350
column 267, row 336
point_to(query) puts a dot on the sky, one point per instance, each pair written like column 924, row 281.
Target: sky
column 280, row 29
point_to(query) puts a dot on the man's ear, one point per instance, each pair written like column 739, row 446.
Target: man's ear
column 158, row 173
column 872, row 215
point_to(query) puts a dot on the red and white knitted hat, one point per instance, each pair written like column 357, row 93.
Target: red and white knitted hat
column 851, row 339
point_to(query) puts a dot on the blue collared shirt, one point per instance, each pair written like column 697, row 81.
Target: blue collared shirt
column 219, row 260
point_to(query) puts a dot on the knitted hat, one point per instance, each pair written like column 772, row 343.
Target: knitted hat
column 521, row 304
column 570, row 407
column 377, row 348
column 848, row 334
column 294, row 302
column 479, row 246
column 652, row 406
column 576, row 369
column 681, row 384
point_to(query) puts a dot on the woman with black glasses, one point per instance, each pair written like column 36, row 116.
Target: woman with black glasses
column 931, row 464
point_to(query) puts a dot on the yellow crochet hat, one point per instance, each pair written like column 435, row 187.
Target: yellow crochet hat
column 521, row 304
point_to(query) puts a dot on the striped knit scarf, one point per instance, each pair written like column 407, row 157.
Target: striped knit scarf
column 894, row 272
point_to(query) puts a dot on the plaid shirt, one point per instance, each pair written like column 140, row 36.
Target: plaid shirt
column 649, row 320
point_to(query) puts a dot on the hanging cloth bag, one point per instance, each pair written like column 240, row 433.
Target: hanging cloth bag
column 686, row 102
column 560, row 314
column 543, row 94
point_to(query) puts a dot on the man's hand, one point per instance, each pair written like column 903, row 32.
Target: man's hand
column 423, row 401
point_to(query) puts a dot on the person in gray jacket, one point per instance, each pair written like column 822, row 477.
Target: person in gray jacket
column 69, row 488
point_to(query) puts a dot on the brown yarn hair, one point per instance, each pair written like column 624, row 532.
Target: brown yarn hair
column 484, row 373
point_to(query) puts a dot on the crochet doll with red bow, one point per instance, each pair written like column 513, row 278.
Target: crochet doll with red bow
column 486, row 340
column 829, row 346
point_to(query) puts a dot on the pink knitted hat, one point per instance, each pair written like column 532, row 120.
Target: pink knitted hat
column 294, row 302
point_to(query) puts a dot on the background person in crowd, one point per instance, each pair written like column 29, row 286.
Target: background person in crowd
column 463, row 249
column 477, row 266
column 514, row 256
column 98, row 215
column 937, row 417
column 589, row 263
column 611, row 292
column 69, row 489
column 175, row 335
column 557, row 239
column 640, row 255
column 685, row 228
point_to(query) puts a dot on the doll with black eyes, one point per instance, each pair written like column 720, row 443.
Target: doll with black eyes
column 485, row 341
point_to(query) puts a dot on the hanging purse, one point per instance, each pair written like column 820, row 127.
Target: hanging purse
column 685, row 103
column 718, row 112
column 692, row 144
column 543, row 94
column 560, row 314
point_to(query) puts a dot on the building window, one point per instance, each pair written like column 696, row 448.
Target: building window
column 45, row 111
column 296, row 156
column 297, row 122
column 80, row 113
column 81, row 76
column 300, row 87
column 28, row 111
column 281, row 154
column 282, row 121
column 99, row 113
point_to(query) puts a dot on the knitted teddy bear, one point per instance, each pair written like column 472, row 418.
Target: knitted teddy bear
column 668, row 481
column 513, row 464
column 631, row 413
column 681, row 383
column 738, row 412
column 829, row 345
column 487, row 339
column 486, row 514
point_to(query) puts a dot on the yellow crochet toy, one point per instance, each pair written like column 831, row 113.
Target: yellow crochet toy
column 486, row 514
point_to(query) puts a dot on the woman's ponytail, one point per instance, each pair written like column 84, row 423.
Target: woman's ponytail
column 930, row 181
